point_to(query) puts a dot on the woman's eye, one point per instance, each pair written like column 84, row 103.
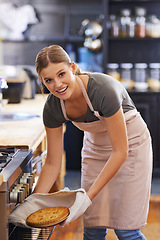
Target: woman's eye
column 48, row 80
column 62, row 74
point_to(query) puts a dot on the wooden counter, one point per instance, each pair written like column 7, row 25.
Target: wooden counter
column 28, row 133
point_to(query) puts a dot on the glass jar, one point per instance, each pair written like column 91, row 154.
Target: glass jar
column 153, row 26
column 125, row 22
column 113, row 70
column 140, row 76
column 154, row 76
column 126, row 78
column 113, row 26
column 140, row 27
column 131, row 28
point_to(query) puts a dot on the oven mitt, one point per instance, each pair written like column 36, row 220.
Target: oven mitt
column 76, row 200
column 80, row 205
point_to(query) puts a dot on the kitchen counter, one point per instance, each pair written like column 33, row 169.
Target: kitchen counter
column 27, row 133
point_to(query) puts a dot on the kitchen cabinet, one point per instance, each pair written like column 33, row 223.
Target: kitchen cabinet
column 73, row 141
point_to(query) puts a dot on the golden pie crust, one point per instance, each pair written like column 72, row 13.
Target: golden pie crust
column 47, row 216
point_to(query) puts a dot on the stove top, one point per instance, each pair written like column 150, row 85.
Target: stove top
column 14, row 162
column 6, row 155
column 16, row 173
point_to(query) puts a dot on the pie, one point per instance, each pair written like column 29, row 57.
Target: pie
column 47, row 216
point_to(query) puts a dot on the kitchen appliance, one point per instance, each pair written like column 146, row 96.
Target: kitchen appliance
column 16, row 183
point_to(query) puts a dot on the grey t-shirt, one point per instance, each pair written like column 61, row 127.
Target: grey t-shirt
column 106, row 94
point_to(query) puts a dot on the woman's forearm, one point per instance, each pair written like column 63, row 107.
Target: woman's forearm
column 47, row 178
column 53, row 161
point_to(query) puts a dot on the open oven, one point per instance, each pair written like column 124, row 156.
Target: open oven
column 17, row 180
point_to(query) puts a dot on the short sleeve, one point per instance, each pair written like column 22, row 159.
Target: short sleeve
column 52, row 113
column 106, row 94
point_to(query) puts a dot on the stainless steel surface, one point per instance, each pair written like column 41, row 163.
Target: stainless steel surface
column 16, row 116
column 18, row 168
column 13, row 164
column 30, row 234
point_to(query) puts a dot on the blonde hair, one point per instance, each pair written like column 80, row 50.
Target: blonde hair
column 53, row 54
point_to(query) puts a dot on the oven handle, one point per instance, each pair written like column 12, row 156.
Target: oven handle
column 51, row 233
column 39, row 158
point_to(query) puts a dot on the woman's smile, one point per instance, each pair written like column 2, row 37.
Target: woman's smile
column 62, row 91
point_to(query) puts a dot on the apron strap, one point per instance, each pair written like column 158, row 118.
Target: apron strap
column 85, row 94
column 87, row 98
column 63, row 109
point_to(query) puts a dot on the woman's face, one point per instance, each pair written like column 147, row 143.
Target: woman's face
column 60, row 79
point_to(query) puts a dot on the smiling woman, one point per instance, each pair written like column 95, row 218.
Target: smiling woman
column 60, row 80
column 116, row 145
column 56, row 81
column 57, row 77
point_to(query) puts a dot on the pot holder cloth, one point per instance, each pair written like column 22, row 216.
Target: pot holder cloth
column 76, row 200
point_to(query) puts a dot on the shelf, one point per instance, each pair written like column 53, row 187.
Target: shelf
column 47, row 39
column 135, row 1
column 133, row 39
column 74, row 39
column 135, row 91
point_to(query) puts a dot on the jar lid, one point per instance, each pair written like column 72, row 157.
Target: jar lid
column 140, row 11
column 112, row 16
column 153, row 19
column 126, row 65
column 140, row 65
column 113, row 65
column 154, row 65
column 125, row 12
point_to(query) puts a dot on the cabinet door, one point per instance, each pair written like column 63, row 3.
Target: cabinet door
column 73, row 141
column 158, row 141
column 147, row 105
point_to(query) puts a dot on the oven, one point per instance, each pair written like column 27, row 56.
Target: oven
column 17, row 176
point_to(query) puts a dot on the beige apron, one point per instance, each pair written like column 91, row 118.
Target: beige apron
column 124, row 202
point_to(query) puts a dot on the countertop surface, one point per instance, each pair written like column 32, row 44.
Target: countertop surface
column 27, row 133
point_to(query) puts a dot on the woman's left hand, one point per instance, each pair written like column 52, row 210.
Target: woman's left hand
column 80, row 205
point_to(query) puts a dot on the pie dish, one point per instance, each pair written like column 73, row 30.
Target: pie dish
column 46, row 217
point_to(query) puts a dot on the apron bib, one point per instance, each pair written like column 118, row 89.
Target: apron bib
column 124, row 202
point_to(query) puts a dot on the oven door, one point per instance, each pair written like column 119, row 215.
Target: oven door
column 20, row 233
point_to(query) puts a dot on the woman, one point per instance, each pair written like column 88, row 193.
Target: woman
column 116, row 154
